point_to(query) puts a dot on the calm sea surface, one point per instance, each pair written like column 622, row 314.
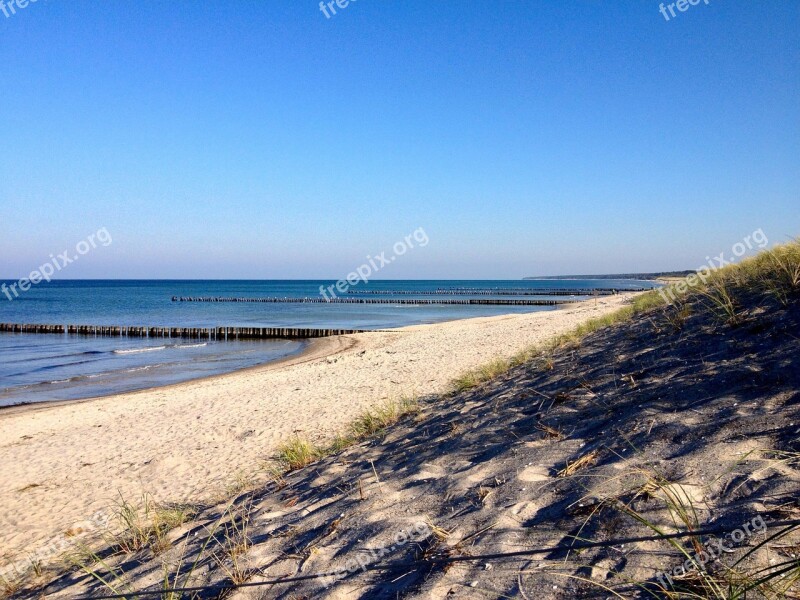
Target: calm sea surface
column 35, row 368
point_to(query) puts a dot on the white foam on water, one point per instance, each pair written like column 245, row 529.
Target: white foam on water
column 139, row 350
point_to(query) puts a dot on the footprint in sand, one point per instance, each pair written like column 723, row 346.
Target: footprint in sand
column 534, row 473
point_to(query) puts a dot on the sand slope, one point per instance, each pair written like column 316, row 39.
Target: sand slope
column 711, row 411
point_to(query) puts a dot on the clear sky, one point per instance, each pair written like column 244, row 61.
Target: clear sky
column 260, row 139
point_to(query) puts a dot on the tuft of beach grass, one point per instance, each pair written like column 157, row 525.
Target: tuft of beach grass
column 299, row 451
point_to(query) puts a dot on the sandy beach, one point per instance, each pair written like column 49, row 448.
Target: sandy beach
column 191, row 442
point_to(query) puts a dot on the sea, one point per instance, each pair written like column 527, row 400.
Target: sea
column 52, row 367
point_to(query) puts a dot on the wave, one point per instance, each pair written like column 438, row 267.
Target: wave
column 76, row 378
column 139, row 350
column 157, row 348
column 143, row 368
column 57, row 381
column 56, row 366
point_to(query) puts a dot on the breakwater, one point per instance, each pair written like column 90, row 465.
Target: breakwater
column 512, row 290
column 424, row 301
column 211, row 333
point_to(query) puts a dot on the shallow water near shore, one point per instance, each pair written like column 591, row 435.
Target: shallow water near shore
column 35, row 368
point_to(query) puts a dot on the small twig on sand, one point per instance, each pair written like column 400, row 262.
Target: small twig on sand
column 401, row 576
column 377, row 479
column 519, row 585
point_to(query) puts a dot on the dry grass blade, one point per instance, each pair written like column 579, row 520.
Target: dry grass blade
column 232, row 557
column 720, row 300
column 550, row 432
column 788, row 550
column 576, row 465
column 483, row 493
column 439, row 533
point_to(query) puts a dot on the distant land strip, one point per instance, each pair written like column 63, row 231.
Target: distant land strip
column 425, row 301
column 496, row 292
column 637, row 276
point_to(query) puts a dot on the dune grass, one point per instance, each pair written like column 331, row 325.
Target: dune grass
column 711, row 579
column 146, row 524
column 774, row 273
column 10, row 585
column 377, row 418
column 231, row 556
column 143, row 525
column 705, row 571
column 487, row 372
column 499, row 366
column 228, row 553
column 299, row 451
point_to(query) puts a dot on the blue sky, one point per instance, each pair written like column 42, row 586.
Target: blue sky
column 259, row 139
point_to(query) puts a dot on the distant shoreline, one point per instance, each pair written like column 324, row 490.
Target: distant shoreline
column 630, row 276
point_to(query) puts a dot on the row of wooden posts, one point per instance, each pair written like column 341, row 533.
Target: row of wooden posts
column 214, row 333
column 425, row 301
